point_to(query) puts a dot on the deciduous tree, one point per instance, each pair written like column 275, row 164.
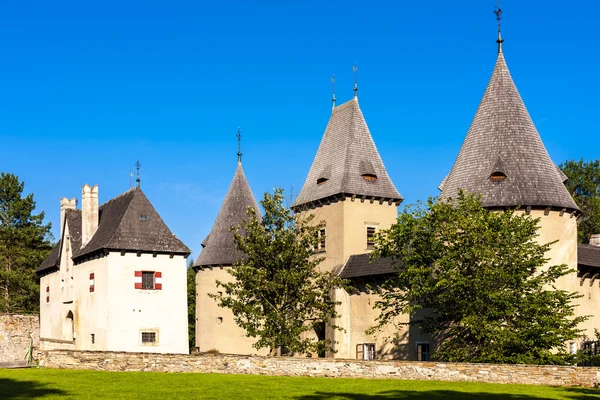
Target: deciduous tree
column 482, row 282
column 279, row 296
column 584, row 186
column 24, row 244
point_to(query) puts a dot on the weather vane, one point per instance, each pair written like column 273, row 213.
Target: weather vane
column 355, row 81
column 239, row 138
column 333, row 90
column 138, row 166
column 498, row 12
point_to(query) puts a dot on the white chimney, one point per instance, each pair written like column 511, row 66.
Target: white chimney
column 595, row 239
column 65, row 204
column 89, row 212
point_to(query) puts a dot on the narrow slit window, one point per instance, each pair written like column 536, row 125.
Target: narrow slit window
column 371, row 237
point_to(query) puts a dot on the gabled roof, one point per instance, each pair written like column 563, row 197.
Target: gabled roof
column 128, row 222
column 347, row 161
column 359, row 265
column 73, row 222
column 219, row 246
column 588, row 255
column 503, row 140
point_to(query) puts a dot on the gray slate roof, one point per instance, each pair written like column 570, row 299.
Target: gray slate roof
column 502, row 138
column 121, row 228
column 588, row 255
column 358, row 265
column 219, row 246
column 346, row 152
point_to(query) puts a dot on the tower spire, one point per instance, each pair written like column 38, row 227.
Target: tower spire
column 355, row 82
column 239, row 138
column 498, row 12
column 332, row 91
column 137, row 181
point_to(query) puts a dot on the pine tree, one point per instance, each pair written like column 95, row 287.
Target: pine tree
column 24, row 244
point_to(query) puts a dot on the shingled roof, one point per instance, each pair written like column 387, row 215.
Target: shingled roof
column 359, row 265
column 128, row 222
column 347, row 161
column 588, row 255
column 503, row 142
column 219, row 246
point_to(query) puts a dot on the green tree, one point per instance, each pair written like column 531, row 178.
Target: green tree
column 279, row 296
column 584, row 186
column 24, row 244
column 481, row 281
column 191, row 300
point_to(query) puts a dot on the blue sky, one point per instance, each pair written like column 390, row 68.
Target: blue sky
column 89, row 88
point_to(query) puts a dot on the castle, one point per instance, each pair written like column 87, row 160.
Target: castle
column 116, row 279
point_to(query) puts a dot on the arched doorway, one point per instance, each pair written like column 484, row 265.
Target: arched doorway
column 68, row 327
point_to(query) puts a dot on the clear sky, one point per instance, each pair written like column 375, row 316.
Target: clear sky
column 89, row 88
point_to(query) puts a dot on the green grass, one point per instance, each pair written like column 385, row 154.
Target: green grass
column 52, row 384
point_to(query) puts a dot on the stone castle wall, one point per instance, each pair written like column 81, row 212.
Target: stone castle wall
column 409, row 370
column 16, row 335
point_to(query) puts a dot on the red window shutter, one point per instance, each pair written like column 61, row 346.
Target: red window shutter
column 92, row 282
column 138, row 279
column 47, row 289
column 47, row 294
column 158, row 280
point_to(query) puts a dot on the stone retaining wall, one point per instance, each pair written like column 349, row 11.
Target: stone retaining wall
column 16, row 335
column 233, row 364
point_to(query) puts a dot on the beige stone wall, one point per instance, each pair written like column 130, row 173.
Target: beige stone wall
column 215, row 327
column 17, row 334
column 563, row 229
column 277, row 366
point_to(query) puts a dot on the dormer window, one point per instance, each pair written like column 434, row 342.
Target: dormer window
column 369, row 177
column 498, row 176
column 143, row 217
column 324, row 176
column 320, row 181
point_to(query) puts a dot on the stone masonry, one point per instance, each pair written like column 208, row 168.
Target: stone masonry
column 17, row 334
column 408, row 370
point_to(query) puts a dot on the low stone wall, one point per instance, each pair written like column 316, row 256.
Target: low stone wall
column 56, row 344
column 232, row 364
column 17, row 332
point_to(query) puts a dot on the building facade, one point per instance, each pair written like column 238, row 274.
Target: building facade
column 116, row 280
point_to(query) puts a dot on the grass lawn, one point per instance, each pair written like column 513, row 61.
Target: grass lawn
column 53, row 383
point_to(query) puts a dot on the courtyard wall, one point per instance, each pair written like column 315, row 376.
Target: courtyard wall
column 17, row 334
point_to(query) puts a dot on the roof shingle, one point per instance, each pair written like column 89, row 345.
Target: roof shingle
column 502, row 138
column 346, row 153
column 219, row 246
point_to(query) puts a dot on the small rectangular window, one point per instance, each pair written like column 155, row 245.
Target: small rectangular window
column 371, row 237
column 143, row 217
column 47, row 294
column 93, row 338
column 92, row 282
column 147, row 279
column 322, row 240
column 148, row 337
column 423, row 352
column 365, row 351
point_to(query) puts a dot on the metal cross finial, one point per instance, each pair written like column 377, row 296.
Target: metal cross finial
column 333, row 91
column 498, row 12
column 137, row 181
column 239, row 138
column 355, row 68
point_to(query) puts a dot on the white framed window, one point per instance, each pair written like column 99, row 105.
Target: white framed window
column 365, row 351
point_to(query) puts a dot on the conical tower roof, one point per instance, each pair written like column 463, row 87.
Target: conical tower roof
column 503, row 157
column 347, row 162
column 219, row 246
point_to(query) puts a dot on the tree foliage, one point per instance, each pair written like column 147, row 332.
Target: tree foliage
column 191, row 302
column 24, row 244
column 482, row 282
column 584, row 186
column 278, row 295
